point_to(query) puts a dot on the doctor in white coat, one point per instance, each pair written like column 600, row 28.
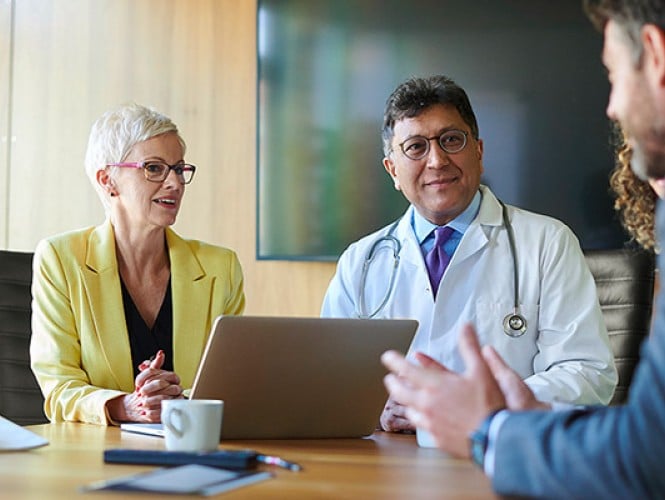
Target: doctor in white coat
column 434, row 156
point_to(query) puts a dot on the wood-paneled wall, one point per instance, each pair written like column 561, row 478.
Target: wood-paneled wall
column 194, row 60
column 5, row 139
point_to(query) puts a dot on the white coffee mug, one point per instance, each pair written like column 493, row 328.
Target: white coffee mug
column 192, row 424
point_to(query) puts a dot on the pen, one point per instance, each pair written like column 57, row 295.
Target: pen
column 279, row 462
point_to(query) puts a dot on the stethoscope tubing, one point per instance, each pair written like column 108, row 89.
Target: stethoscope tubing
column 397, row 248
column 514, row 324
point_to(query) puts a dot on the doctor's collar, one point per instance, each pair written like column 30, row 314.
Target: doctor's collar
column 422, row 227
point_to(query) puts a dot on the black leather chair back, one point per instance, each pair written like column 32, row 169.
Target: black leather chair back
column 625, row 283
column 21, row 399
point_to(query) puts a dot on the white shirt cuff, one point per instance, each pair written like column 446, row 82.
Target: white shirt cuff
column 490, row 453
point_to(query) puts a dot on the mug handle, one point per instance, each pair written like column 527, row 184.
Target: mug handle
column 173, row 415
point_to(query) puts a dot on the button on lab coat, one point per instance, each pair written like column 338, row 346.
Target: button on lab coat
column 565, row 353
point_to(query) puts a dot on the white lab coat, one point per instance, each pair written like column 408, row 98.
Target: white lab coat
column 564, row 355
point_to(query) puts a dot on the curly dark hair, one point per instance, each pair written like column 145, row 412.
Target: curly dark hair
column 635, row 199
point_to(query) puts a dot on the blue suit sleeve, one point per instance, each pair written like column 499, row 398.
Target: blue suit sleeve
column 599, row 452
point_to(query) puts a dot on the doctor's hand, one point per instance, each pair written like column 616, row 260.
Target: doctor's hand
column 393, row 418
column 448, row 405
column 517, row 393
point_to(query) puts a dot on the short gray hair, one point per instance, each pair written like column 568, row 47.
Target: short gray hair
column 117, row 131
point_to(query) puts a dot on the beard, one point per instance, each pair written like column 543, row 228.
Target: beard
column 644, row 129
column 648, row 162
column 638, row 162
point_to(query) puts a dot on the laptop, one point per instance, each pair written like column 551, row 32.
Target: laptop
column 286, row 378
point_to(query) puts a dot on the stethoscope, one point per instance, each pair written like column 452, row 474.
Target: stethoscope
column 514, row 324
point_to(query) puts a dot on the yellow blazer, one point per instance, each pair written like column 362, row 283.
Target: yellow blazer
column 80, row 349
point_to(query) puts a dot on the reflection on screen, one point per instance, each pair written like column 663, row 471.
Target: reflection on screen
column 532, row 71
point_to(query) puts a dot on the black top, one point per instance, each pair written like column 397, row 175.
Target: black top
column 143, row 341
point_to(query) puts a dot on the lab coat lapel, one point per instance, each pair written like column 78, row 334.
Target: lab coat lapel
column 476, row 236
column 102, row 288
column 190, row 287
column 410, row 255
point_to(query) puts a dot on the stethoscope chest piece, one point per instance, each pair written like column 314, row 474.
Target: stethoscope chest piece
column 514, row 325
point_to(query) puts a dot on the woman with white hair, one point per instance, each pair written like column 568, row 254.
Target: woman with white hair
column 122, row 311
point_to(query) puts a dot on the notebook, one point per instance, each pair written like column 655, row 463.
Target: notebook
column 285, row 378
column 190, row 479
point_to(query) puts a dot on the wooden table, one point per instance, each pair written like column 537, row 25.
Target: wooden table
column 385, row 466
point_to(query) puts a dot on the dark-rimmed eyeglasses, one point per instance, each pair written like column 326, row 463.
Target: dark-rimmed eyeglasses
column 417, row 147
column 158, row 171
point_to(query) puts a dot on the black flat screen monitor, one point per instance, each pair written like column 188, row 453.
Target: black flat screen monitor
column 532, row 70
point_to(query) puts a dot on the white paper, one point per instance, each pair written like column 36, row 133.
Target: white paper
column 14, row 437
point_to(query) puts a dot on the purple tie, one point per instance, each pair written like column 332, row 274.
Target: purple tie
column 437, row 259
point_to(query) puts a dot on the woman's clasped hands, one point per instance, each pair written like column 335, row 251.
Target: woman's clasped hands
column 153, row 385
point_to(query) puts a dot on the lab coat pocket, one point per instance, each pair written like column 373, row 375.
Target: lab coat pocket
column 517, row 351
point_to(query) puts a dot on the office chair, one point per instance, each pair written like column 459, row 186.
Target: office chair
column 625, row 284
column 21, row 399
